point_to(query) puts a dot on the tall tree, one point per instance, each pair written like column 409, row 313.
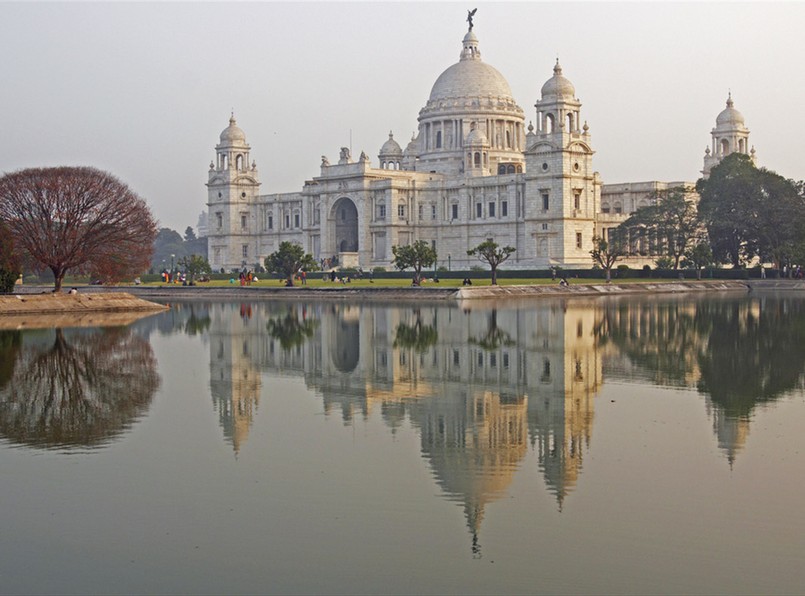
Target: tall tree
column 189, row 234
column 77, row 218
column 418, row 255
column 728, row 202
column 489, row 252
column 670, row 222
column 289, row 260
column 779, row 218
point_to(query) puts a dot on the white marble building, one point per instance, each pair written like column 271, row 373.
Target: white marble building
column 474, row 171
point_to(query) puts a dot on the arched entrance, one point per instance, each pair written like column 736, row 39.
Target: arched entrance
column 344, row 231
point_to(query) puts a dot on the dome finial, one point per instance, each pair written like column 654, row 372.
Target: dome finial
column 729, row 98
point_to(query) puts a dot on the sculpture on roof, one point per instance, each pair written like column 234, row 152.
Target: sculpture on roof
column 470, row 14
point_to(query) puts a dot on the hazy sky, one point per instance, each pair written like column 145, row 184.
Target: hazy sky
column 143, row 90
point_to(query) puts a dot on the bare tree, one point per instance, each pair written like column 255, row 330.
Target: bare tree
column 77, row 219
column 606, row 252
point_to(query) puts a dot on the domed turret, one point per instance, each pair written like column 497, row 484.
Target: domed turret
column 558, row 86
column 729, row 135
column 391, row 154
column 730, row 116
column 232, row 134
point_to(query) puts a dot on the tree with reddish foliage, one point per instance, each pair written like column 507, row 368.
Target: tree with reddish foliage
column 77, row 219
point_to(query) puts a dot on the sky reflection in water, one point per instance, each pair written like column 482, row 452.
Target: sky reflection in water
column 630, row 446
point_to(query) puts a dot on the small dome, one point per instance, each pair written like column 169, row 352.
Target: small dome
column 232, row 134
column 412, row 149
column 558, row 86
column 476, row 137
column 730, row 116
column 391, row 147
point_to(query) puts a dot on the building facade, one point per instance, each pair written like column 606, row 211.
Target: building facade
column 473, row 171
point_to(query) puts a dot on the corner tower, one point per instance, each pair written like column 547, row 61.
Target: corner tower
column 232, row 187
column 562, row 190
column 729, row 136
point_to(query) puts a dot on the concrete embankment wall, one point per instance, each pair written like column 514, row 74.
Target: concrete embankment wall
column 50, row 303
column 600, row 289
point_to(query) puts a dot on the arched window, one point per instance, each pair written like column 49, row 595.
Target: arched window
column 477, row 160
column 742, row 145
column 570, row 127
column 725, row 147
column 508, row 139
column 239, row 162
column 438, row 139
column 549, row 123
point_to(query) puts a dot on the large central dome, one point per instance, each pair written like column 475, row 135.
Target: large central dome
column 470, row 77
column 470, row 105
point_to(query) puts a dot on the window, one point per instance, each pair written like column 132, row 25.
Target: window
column 577, row 200
column 401, row 211
column 296, row 220
column 545, row 203
column 245, row 251
column 219, row 219
column 287, row 221
column 479, row 209
column 270, row 222
column 316, row 216
column 421, row 211
column 242, row 222
column 454, row 211
column 578, row 239
column 381, row 211
column 438, row 139
column 504, row 208
column 433, row 211
column 491, row 210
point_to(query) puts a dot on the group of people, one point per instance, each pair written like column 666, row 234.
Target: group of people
column 173, row 277
column 245, row 278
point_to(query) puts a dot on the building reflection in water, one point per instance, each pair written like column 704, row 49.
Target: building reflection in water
column 482, row 384
column 478, row 384
column 73, row 388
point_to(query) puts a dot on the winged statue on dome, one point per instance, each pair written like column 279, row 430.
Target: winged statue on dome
column 470, row 14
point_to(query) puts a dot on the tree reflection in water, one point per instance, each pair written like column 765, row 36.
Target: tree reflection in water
column 753, row 353
column 82, row 390
column 417, row 337
column 289, row 330
column 739, row 353
column 494, row 337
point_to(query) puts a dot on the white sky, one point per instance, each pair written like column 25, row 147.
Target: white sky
column 144, row 89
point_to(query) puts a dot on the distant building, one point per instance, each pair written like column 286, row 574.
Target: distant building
column 202, row 225
column 473, row 171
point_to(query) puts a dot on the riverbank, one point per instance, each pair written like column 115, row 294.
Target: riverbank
column 409, row 294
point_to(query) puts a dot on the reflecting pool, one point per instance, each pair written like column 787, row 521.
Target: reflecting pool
column 545, row 446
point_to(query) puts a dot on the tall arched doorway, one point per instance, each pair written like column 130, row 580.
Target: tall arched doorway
column 344, row 230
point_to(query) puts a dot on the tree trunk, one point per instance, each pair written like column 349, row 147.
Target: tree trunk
column 609, row 274
column 494, row 276
column 58, row 276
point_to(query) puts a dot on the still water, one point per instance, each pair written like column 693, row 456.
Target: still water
column 568, row 446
